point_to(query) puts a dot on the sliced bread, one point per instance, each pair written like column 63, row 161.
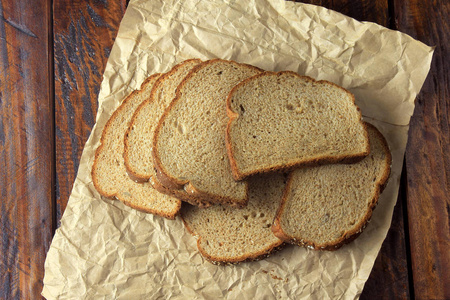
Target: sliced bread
column 229, row 235
column 109, row 174
column 327, row 206
column 189, row 147
column 179, row 194
column 139, row 136
column 279, row 121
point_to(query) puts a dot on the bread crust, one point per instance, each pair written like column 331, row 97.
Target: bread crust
column 116, row 195
column 263, row 253
column 188, row 192
column 233, row 116
column 348, row 236
column 163, row 175
column 134, row 174
column 179, row 194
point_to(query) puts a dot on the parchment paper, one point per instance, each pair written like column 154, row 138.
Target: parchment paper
column 105, row 250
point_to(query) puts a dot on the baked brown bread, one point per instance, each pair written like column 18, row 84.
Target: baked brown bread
column 328, row 206
column 109, row 174
column 139, row 135
column 189, row 147
column 229, row 235
column 280, row 121
column 179, row 194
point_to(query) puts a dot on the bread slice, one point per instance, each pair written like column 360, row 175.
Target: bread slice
column 279, row 121
column 189, row 147
column 179, row 194
column 109, row 175
column 229, row 235
column 139, row 136
column 327, row 206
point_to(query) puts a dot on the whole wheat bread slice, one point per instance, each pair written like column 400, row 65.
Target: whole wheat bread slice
column 327, row 206
column 279, row 121
column 109, row 174
column 179, row 194
column 228, row 235
column 189, row 147
column 139, row 136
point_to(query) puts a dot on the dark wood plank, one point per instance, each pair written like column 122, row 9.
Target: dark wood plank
column 84, row 32
column 389, row 278
column 26, row 146
column 390, row 270
column 427, row 155
column 367, row 10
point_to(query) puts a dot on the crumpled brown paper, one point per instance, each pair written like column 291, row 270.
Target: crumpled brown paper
column 106, row 250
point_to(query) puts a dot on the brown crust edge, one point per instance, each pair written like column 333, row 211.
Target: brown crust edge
column 163, row 175
column 195, row 197
column 170, row 216
column 350, row 235
column 179, row 194
column 116, row 195
column 232, row 115
column 222, row 261
column 134, row 174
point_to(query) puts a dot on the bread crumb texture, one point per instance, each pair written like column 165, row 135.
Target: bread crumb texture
column 139, row 136
column 230, row 235
column 327, row 206
column 109, row 173
column 189, row 144
column 281, row 120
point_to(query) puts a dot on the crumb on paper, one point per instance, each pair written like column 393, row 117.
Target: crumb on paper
column 276, row 277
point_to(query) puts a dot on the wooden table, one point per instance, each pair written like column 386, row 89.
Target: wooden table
column 52, row 56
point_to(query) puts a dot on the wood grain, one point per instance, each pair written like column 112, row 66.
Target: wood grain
column 427, row 155
column 389, row 277
column 26, row 146
column 84, row 32
column 372, row 11
column 391, row 266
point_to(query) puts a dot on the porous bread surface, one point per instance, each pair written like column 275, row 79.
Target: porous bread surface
column 282, row 120
column 139, row 136
column 327, row 206
column 108, row 171
column 189, row 148
column 230, row 235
